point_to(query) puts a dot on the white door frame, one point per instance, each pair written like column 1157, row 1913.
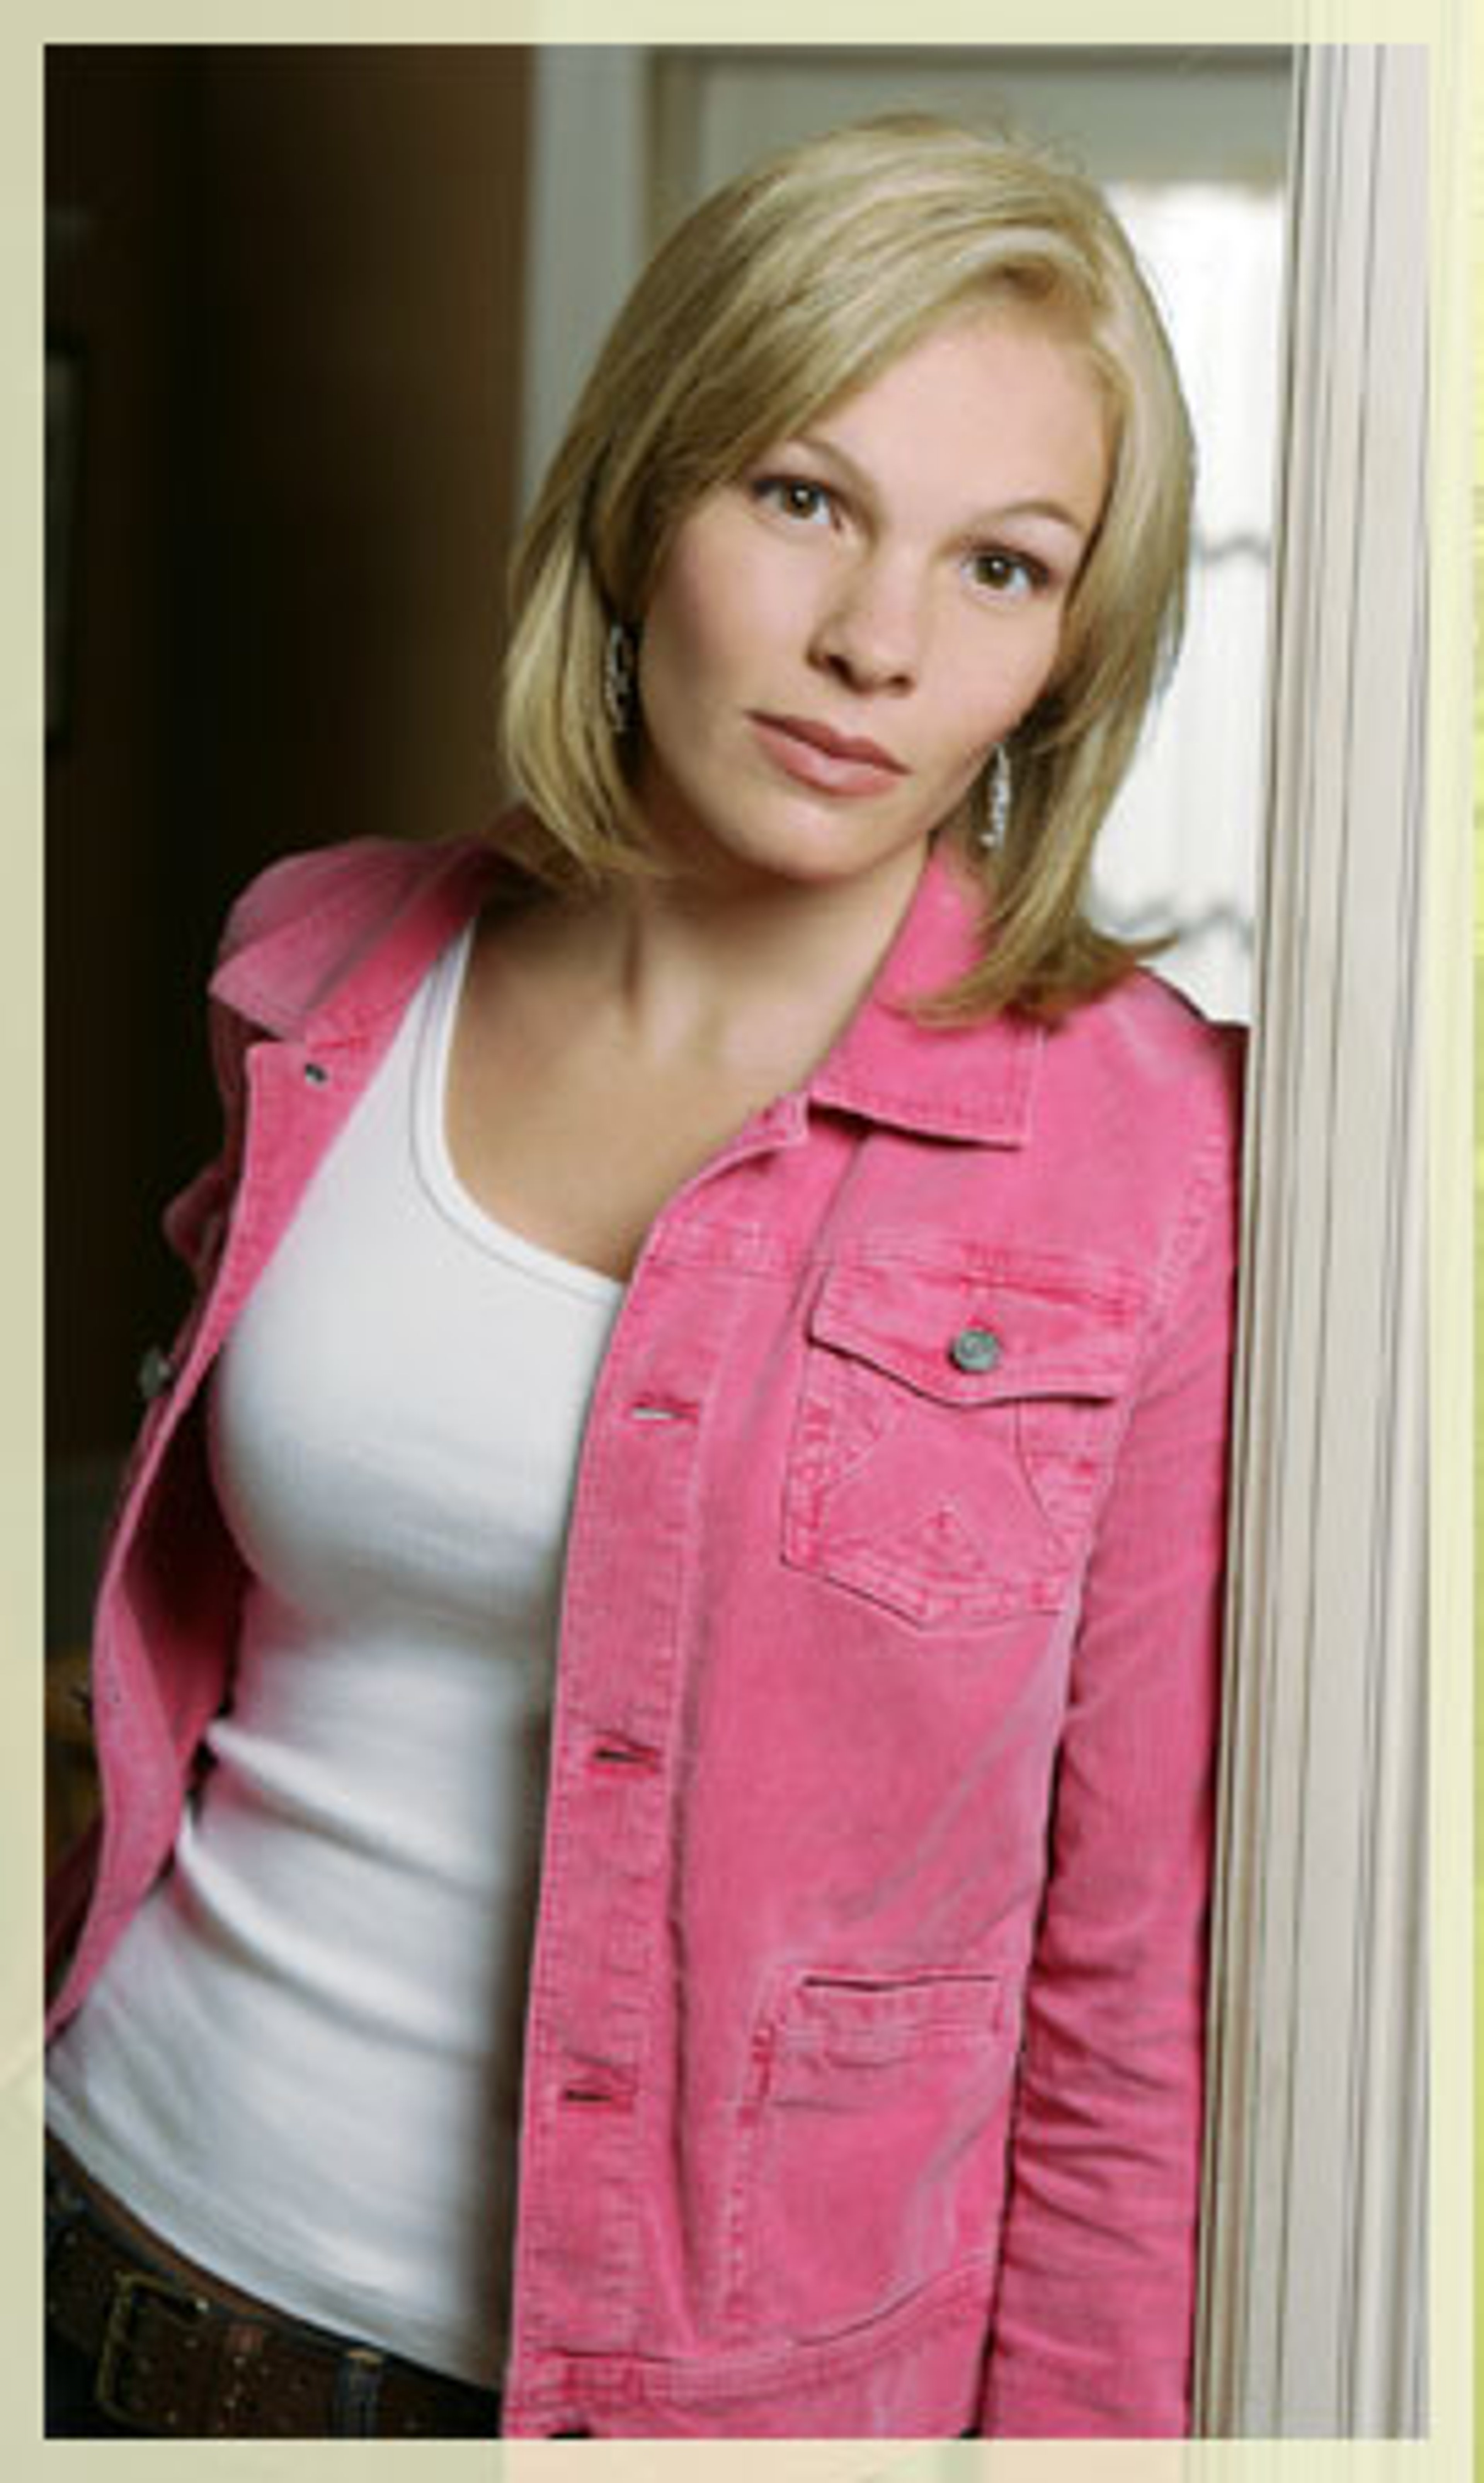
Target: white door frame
column 1316, row 2230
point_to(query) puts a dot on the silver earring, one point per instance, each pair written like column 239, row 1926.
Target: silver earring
column 994, row 830
column 620, row 665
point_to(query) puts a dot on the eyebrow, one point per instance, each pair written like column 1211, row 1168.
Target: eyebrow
column 1054, row 511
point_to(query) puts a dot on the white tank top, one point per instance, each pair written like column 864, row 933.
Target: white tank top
column 302, row 2063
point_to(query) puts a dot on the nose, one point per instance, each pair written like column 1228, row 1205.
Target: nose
column 871, row 631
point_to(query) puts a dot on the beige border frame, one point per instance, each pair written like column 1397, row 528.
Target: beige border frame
column 1450, row 901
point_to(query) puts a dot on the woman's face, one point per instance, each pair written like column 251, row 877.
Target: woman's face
column 836, row 641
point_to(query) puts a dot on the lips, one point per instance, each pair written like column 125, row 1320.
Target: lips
column 826, row 761
column 834, row 745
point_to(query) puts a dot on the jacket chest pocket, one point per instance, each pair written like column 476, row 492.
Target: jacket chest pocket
column 955, row 1427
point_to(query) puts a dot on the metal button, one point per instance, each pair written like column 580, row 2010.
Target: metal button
column 316, row 1074
column 156, row 1371
column 975, row 1349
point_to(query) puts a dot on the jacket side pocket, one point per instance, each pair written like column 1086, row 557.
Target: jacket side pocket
column 871, row 2145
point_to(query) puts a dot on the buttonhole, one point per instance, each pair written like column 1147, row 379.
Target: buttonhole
column 654, row 1414
column 623, row 1754
column 593, row 2094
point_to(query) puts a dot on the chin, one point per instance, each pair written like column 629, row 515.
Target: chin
column 817, row 864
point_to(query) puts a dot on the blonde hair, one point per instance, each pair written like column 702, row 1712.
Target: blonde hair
column 785, row 292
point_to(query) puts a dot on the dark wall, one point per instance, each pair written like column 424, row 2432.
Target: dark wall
column 292, row 278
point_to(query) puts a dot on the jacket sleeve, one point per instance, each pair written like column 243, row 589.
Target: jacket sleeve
column 193, row 1222
column 1093, row 2322
column 196, row 1219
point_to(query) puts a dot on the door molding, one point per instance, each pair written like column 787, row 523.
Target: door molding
column 1315, row 2277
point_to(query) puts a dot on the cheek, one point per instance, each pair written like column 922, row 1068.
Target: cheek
column 669, row 617
column 987, row 696
column 723, row 610
column 686, row 641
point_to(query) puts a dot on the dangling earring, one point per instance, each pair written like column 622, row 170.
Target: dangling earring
column 994, row 830
column 620, row 665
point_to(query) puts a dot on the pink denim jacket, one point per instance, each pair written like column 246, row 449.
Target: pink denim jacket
column 863, row 2053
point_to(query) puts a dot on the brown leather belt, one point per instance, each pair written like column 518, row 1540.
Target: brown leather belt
column 177, row 2361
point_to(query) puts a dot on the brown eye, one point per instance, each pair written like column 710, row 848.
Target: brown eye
column 1007, row 573
column 793, row 496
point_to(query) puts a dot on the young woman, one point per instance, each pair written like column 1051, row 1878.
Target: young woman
column 656, row 1668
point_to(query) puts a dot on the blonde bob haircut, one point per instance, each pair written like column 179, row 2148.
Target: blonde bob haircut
column 782, row 294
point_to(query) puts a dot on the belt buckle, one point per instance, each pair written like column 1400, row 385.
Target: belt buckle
column 118, row 2336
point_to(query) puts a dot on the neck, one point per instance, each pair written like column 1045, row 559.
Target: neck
column 751, row 974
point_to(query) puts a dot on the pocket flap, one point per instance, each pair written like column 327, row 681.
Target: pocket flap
column 969, row 1337
column 878, row 2016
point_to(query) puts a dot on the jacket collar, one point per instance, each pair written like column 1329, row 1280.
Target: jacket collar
column 974, row 1082
column 332, row 972
column 350, row 954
